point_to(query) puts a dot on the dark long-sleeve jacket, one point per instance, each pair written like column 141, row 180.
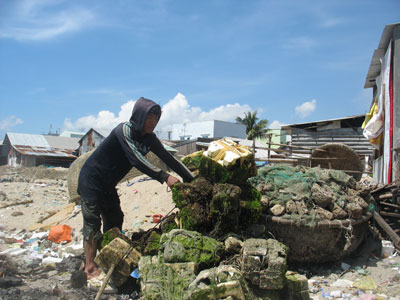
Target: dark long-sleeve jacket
column 125, row 148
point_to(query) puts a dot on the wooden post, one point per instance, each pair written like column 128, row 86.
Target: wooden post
column 269, row 145
column 393, row 235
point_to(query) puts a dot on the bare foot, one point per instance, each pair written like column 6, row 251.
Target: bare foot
column 92, row 271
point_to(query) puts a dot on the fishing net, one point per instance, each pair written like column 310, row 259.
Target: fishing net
column 309, row 195
column 318, row 213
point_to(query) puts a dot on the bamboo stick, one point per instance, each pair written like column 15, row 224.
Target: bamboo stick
column 385, row 196
column 390, row 205
column 16, row 203
column 389, row 214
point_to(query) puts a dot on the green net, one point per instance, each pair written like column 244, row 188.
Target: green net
column 307, row 194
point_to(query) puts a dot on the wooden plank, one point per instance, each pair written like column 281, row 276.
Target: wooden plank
column 392, row 235
column 389, row 214
column 385, row 196
column 54, row 219
column 389, row 205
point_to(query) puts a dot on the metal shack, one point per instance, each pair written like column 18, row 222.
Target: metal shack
column 30, row 150
column 382, row 123
column 92, row 139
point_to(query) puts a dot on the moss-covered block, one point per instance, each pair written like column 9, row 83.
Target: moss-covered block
column 237, row 173
column 296, row 287
column 223, row 282
column 197, row 191
column 225, row 209
column 153, row 244
column 192, row 161
column 190, row 246
column 110, row 235
column 161, row 280
column 195, row 217
column 250, row 205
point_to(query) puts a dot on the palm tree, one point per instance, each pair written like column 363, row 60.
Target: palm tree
column 254, row 129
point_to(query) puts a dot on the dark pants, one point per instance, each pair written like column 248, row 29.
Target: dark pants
column 100, row 206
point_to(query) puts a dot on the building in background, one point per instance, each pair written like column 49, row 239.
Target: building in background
column 73, row 134
column 94, row 137
column 382, row 123
column 30, row 150
column 275, row 138
column 205, row 129
column 305, row 137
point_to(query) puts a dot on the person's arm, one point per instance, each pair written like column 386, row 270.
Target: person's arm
column 176, row 165
column 136, row 158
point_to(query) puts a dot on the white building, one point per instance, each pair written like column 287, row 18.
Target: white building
column 204, row 129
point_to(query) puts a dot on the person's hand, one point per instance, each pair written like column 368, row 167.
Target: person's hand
column 171, row 180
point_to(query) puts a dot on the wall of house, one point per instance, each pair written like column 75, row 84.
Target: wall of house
column 192, row 130
column 16, row 159
column 396, row 104
column 205, row 129
column 222, row 129
column 90, row 141
column 29, row 161
column 278, row 137
column 186, row 149
column 352, row 137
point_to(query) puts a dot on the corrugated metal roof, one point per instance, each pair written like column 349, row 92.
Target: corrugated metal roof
column 103, row 132
column 285, row 127
column 169, row 148
column 39, row 151
column 25, row 139
column 41, row 145
column 375, row 66
column 62, row 142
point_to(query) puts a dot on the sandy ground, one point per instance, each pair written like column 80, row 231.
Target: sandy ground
column 141, row 199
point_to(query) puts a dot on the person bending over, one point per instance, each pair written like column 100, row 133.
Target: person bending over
column 124, row 148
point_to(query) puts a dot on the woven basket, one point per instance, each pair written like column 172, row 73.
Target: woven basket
column 76, row 166
column 326, row 241
column 337, row 156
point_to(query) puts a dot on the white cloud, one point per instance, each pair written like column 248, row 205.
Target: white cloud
column 276, row 125
column 104, row 119
column 43, row 19
column 176, row 110
column 306, row 109
column 10, row 122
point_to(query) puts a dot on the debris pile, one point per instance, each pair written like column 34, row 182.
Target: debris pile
column 207, row 250
column 387, row 211
column 221, row 259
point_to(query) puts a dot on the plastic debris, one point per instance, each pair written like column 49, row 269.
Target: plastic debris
column 387, row 248
column 336, row 294
column 342, row 283
column 135, row 273
column 362, row 271
column 365, row 283
column 60, row 233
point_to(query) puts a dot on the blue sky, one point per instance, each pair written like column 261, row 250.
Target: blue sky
column 73, row 65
